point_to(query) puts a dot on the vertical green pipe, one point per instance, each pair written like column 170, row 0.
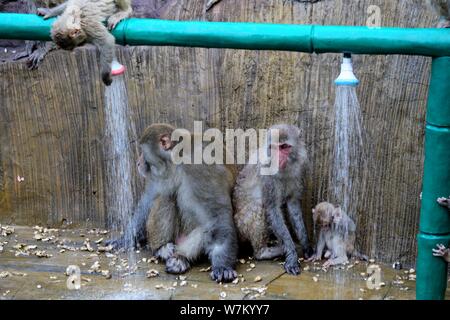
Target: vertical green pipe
column 435, row 220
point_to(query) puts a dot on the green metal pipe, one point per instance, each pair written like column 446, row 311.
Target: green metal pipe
column 434, row 225
column 252, row 36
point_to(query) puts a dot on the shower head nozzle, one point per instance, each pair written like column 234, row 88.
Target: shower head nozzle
column 117, row 68
column 347, row 77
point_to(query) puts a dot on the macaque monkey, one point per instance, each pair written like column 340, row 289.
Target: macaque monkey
column 81, row 21
column 267, row 203
column 337, row 235
column 442, row 8
column 194, row 205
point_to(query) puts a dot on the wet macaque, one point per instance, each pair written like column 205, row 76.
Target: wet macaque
column 336, row 235
column 269, row 203
column 193, row 213
column 442, row 251
column 442, row 8
column 81, row 21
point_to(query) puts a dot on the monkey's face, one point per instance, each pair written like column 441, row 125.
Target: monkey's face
column 337, row 215
column 323, row 214
column 143, row 166
column 69, row 39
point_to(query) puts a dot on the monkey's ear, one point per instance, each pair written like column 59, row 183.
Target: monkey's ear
column 165, row 142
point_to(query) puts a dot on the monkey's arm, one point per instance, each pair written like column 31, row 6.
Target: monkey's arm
column 296, row 218
column 36, row 57
column 279, row 228
column 319, row 247
column 52, row 12
column 104, row 41
column 124, row 11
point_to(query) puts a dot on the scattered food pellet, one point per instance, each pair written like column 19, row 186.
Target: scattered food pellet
column 223, row 295
column 39, row 286
column 152, row 273
column 257, row 279
column 315, row 279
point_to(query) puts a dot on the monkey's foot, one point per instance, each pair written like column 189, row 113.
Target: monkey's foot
column 292, row 267
column 269, row 253
column 327, row 254
column 335, row 262
column 177, row 265
column 444, row 24
column 165, row 252
column 35, row 59
column 44, row 12
column 314, row 258
column 223, row 274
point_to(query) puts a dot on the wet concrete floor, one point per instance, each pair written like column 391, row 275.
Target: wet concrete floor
column 33, row 262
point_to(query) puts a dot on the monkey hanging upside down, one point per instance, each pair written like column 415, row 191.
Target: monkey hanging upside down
column 337, row 235
column 81, row 21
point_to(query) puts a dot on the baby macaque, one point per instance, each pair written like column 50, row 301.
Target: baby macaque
column 81, row 21
column 442, row 8
column 337, row 235
column 266, row 203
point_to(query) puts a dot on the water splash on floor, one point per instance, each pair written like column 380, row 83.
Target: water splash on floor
column 119, row 131
column 348, row 155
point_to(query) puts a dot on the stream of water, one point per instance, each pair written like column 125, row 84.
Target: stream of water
column 119, row 131
column 348, row 156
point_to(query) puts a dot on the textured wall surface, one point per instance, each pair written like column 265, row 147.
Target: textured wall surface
column 52, row 119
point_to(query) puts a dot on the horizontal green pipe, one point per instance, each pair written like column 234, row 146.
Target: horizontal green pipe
column 253, row 36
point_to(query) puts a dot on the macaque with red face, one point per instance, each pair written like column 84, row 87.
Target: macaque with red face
column 267, row 203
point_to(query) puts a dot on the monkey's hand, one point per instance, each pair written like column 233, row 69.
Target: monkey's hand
column 114, row 20
column 107, row 78
column 291, row 265
column 441, row 251
column 177, row 264
column 314, row 258
column 444, row 202
column 223, row 274
column 45, row 12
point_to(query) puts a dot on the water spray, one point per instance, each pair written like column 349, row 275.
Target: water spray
column 116, row 68
column 347, row 77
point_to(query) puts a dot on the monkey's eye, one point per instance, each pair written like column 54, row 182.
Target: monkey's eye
column 285, row 146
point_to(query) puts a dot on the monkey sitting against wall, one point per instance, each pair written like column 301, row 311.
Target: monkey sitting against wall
column 263, row 203
column 191, row 202
column 442, row 8
column 337, row 235
column 81, row 21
